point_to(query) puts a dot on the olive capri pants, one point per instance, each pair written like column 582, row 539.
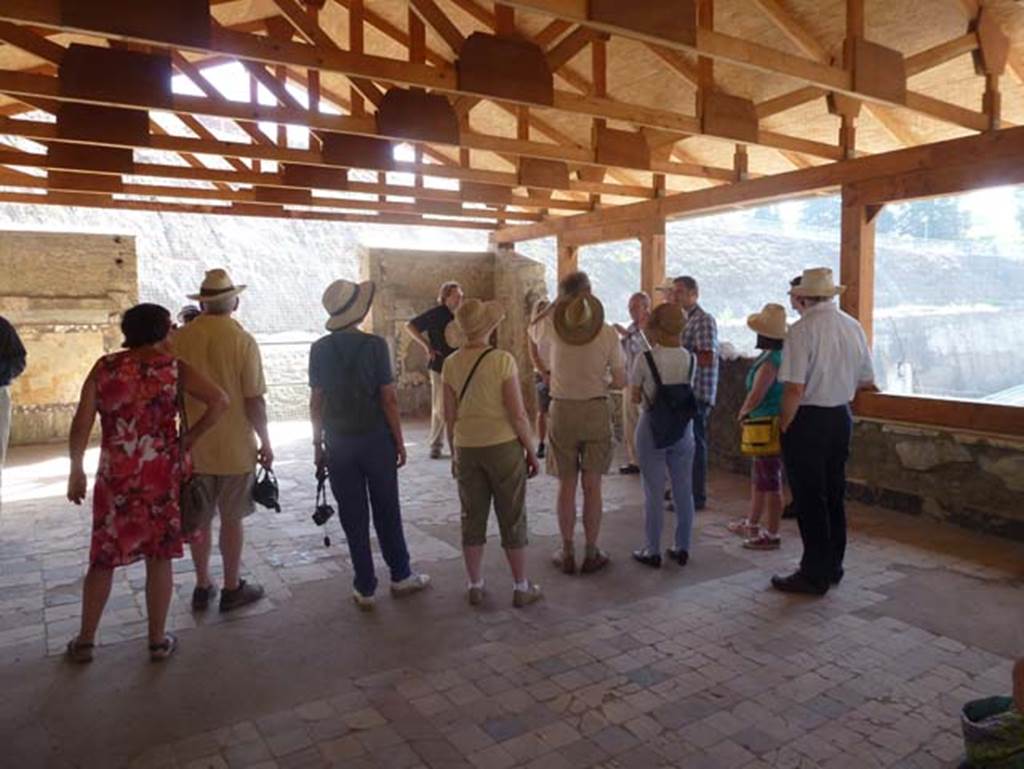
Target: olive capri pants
column 498, row 473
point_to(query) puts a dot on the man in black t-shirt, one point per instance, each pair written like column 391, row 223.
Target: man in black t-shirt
column 12, row 363
column 428, row 330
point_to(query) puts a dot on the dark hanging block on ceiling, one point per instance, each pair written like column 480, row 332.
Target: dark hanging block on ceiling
column 355, row 151
column 301, row 175
column 731, row 117
column 85, row 157
column 507, row 68
column 85, row 122
column 480, row 192
column 179, row 22
column 282, row 195
column 69, row 180
column 594, row 174
column 442, row 208
column 116, row 75
column 622, row 148
column 879, row 71
column 534, row 172
column 675, row 20
column 417, row 115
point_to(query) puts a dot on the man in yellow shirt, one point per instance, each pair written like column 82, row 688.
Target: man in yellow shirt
column 225, row 457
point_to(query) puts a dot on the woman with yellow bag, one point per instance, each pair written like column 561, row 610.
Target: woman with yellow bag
column 759, row 418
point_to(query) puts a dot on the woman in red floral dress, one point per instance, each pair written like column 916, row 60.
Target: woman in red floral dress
column 135, row 503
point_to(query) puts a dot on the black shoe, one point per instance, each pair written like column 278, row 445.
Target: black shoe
column 647, row 558
column 541, row 451
column 682, row 557
column 243, row 595
column 668, row 494
column 698, row 506
column 629, row 470
column 789, row 511
column 435, row 452
column 798, row 583
column 202, row 596
column 837, row 577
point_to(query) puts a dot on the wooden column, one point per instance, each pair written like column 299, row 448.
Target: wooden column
column 857, row 261
column 652, row 264
column 568, row 258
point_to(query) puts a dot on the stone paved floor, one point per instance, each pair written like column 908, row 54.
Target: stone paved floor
column 699, row 667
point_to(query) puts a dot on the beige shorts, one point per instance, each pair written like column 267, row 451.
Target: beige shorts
column 579, row 437
column 231, row 496
column 498, row 473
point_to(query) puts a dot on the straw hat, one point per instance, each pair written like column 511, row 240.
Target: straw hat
column 665, row 328
column 347, row 303
column 817, row 281
column 476, row 319
column 770, row 322
column 578, row 319
column 216, row 285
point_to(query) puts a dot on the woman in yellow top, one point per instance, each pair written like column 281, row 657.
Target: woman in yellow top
column 492, row 446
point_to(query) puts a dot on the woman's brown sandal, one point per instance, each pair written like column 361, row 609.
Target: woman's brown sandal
column 79, row 652
column 161, row 651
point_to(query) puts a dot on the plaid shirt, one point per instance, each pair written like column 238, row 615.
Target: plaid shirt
column 634, row 344
column 701, row 335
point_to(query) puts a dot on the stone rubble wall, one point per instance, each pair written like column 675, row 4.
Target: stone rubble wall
column 971, row 479
column 64, row 293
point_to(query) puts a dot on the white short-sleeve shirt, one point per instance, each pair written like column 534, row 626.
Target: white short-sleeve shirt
column 676, row 365
column 578, row 372
column 827, row 352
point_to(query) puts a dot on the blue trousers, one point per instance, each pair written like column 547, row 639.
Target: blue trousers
column 815, row 449
column 363, row 475
column 700, row 456
column 678, row 460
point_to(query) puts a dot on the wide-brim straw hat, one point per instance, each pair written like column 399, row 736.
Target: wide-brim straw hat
column 474, row 319
column 217, row 284
column 578, row 319
column 817, row 281
column 770, row 322
column 347, row 303
column 665, row 326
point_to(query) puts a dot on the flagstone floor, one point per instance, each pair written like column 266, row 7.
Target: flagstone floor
column 697, row 667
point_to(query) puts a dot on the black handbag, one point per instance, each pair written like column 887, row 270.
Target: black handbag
column 265, row 490
column 194, row 498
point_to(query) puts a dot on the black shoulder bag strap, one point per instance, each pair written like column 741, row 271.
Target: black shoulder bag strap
column 654, row 369
column 472, row 371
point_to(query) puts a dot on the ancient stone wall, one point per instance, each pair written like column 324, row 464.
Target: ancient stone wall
column 64, row 293
column 407, row 284
column 970, row 479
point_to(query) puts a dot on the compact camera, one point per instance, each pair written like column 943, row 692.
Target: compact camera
column 322, row 514
column 323, row 511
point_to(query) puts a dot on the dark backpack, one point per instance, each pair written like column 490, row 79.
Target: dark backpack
column 673, row 407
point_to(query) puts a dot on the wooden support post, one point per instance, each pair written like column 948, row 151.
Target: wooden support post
column 705, row 64
column 504, row 20
column 741, row 163
column 568, row 258
column 599, row 76
column 652, row 264
column 992, row 102
column 355, row 45
column 857, row 261
column 417, row 39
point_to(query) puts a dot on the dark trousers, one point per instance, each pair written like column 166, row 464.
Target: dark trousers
column 363, row 475
column 700, row 454
column 815, row 449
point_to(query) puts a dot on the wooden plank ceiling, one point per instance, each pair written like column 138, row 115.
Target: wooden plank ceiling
column 502, row 113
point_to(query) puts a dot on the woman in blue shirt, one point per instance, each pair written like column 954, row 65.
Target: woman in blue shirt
column 764, row 399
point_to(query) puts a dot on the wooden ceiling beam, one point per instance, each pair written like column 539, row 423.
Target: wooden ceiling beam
column 437, row 20
column 304, row 56
column 42, row 132
column 570, row 45
column 751, row 55
column 1003, row 148
column 88, row 200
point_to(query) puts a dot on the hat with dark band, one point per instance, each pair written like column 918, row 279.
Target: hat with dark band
column 216, row 285
column 347, row 303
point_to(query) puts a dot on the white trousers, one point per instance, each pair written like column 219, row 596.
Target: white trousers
column 436, row 410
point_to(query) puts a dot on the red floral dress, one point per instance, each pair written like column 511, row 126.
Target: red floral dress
column 135, row 502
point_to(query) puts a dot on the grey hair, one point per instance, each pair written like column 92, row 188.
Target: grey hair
column 221, row 306
column 640, row 295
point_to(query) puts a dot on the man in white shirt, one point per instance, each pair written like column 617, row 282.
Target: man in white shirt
column 585, row 360
column 825, row 362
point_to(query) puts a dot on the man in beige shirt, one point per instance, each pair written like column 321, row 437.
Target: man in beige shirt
column 225, row 457
column 584, row 360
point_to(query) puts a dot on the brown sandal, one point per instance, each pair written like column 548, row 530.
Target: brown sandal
column 596, row 562
column 79, row 652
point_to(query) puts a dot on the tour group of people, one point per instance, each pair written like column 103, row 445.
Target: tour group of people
column 185, row 402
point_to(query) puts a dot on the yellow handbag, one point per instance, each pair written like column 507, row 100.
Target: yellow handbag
column 761, row 437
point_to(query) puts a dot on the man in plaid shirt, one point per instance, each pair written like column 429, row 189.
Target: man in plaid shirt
column 700, row 338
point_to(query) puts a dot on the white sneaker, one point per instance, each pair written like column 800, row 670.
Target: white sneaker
column 414, row 583
column 364, row 602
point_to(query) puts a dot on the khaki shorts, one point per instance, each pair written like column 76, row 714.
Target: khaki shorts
column 492, row 472
column 580, row 437
column 231, row 496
